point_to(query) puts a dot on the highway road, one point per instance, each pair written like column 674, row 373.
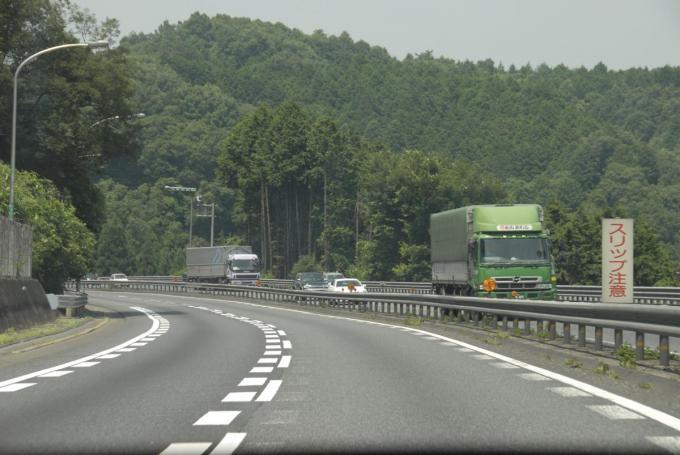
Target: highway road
column 172, row 374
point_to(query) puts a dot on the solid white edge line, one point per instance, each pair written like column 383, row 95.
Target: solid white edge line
column 17, row 386
column 647, row 411
column 154, row 326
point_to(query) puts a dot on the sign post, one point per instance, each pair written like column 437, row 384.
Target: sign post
column 617, row 260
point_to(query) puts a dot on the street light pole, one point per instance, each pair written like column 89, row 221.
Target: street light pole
column 116, row 117
column 212, row 224
column 93, row 45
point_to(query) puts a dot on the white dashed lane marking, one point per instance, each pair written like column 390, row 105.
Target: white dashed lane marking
column 56, row 374
column 85, row 364
column 186, row 448
column 272, row 353
column 670, row 443
column 268, row 360
column 533, row 377
column 228, row 444
column 569, row 392
column 247, row 382
column 235, row 397
column 262, row 369
column 282, row 333
column 285, row 361
column 287, row 344
column 269, row 391
column 217, row 418
column 15, row 384
column 108, row 356
column 615, row 412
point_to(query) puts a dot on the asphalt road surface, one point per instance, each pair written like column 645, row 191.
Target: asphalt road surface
column 188, row 375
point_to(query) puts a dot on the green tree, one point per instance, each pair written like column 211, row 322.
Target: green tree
column 62, row 245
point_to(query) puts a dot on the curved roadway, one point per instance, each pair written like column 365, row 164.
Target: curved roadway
column 175, row 374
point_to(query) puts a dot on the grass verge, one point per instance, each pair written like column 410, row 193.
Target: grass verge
column 61, row 324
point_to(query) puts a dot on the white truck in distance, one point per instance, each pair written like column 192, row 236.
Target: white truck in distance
column 232, row 264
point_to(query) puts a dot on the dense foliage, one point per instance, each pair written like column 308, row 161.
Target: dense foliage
column 62, row 96
column 62, row 244
column 328, row 151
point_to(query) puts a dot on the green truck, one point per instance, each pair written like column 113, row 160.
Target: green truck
column 492, row 251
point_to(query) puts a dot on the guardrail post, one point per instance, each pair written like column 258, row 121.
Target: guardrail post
column 515, row 324
column 552, row 329
column 459, row 316
column 504, row 326
column 618, row 338
column 494, row 322
column 566, row 331
column 639, row 346
column 582, row 335
column 527, row 327
column 539, row 326
column 598, row 338
column 664, row 357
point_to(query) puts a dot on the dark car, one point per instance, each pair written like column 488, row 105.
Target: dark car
column 310, row 281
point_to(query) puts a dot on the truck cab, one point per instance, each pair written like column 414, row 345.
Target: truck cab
column 492, row 251
column 243, row 268
column 512, row 266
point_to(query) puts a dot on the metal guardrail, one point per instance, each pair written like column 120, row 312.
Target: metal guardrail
column 642, row 294
column 70, row 303
column 641, row 319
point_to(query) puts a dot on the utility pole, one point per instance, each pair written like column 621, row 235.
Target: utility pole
column 201, row 214
column 191, row 205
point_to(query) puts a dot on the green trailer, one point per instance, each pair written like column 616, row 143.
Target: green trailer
column 492, row 251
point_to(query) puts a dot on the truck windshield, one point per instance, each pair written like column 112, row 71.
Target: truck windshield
column 513, row 249
column 244, row 265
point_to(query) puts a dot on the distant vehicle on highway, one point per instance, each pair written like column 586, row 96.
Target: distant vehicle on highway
column 231, row 264
column 347, row 285
column 310, row 281
column 330, row 277
column 119, row 277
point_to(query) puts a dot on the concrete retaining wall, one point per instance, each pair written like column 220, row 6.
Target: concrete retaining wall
column 16, row 248
column 23, row 304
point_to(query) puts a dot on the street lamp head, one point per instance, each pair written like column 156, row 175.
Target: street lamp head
column 98, row 45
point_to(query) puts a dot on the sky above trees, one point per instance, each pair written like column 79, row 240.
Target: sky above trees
column 620, row 33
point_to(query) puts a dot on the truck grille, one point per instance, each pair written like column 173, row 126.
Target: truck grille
column 517, row 283
column 242, row 276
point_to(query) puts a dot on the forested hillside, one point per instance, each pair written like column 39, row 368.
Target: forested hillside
column 316, row 145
